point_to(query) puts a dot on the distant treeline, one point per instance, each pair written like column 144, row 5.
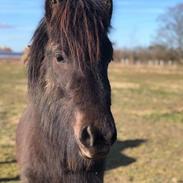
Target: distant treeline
column 4, row 49
column 152, row 54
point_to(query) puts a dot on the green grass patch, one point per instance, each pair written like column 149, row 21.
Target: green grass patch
column 167, row 117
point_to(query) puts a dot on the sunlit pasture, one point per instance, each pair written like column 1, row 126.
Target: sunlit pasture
column 148, row 109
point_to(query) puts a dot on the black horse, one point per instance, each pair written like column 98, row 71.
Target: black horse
column 68, row 128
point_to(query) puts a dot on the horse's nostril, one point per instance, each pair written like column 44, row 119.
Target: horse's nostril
column 87, row 137
column 91, row 137
column 96, row 142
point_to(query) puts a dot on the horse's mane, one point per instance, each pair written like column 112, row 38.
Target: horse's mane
column 79, row 25
column 37, row 52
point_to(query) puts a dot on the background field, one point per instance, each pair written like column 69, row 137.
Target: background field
column 147, row 106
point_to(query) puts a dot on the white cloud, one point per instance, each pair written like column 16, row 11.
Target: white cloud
column 6, row 26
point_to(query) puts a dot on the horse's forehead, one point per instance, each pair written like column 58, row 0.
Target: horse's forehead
column 54, row 45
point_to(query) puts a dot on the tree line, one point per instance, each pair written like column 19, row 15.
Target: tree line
column 168, row 43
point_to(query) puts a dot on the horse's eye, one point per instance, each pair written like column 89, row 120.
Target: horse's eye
column 60, row 58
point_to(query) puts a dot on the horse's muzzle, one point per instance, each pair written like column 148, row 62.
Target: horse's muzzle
column 94, row 144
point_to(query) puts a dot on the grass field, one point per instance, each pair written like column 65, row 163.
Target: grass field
column 148, row 109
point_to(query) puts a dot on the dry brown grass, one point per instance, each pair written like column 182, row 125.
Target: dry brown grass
column 148, row 109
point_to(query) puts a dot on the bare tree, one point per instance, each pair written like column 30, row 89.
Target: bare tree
column 170, row 32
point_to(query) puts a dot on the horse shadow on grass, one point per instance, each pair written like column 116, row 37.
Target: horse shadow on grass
column 7, row 162
column 17, row 178
column 117, row 159
column 9, row 179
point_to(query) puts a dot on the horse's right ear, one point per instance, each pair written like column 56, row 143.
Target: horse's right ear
column 49, row 7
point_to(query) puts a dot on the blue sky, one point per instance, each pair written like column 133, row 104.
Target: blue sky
column 134, row 21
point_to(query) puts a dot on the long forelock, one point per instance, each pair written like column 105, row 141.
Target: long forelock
column 79, row 25
column 36, row 55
